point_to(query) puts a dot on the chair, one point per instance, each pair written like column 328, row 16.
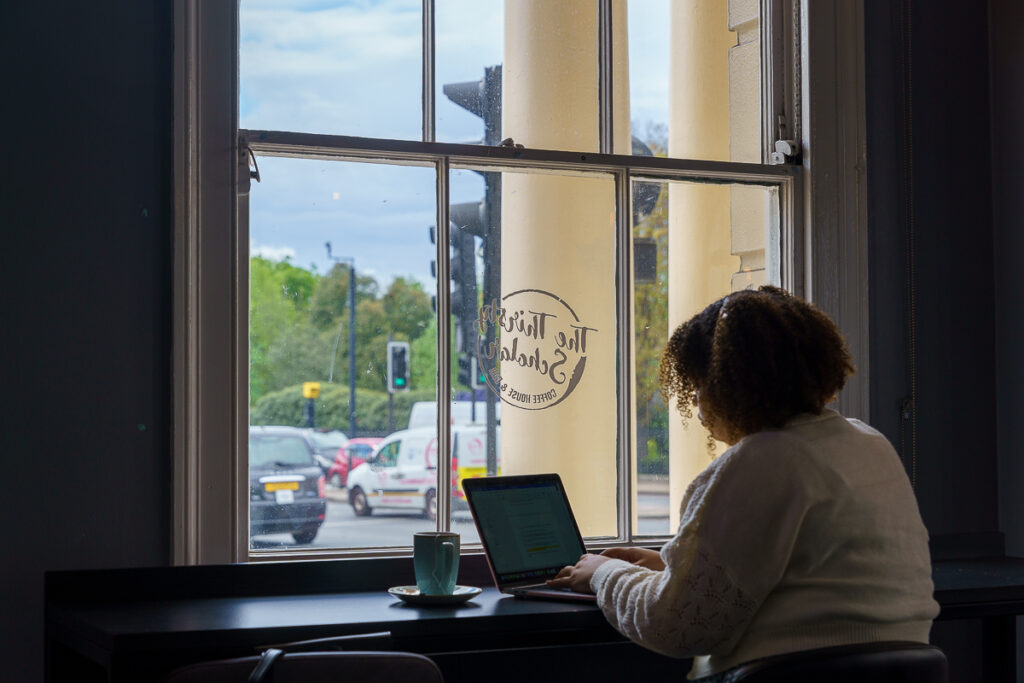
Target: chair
column 879, row 662
column 276, row 666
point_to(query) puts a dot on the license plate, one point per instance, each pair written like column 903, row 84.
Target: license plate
column 282, row 486
column 284, row 497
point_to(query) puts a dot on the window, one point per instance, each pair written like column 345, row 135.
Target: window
column 533, row 285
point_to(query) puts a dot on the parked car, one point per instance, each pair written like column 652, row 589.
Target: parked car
column 286, row 486
column 326, row 443
column 350, row 456
column 402, row 473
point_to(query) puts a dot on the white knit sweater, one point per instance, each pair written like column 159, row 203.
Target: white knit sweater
column 803, row 537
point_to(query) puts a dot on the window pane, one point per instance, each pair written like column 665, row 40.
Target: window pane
column 692, row 243
column 707, row 106
column 332, row 67
column 533, row 303
column 469, row 55
column 311, row 222
column 525, row 70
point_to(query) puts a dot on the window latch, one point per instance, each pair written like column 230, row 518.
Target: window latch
column 246, row 173
column 254, row 172
column 786, row 152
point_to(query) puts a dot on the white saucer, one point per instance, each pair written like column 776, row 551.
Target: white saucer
column 412, row 595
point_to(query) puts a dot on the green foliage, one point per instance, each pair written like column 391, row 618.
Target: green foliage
column 655, row 417
column 285, row 407
column 423, row 359
column 299, row 328
column 408, row 306
column 650, row 308
column 423, row 351
column 279, row 300
column 330, row 297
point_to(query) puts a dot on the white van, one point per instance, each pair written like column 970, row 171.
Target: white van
column 424, row 413
column 402, row 472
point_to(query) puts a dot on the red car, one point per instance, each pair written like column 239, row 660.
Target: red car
column 353, row 454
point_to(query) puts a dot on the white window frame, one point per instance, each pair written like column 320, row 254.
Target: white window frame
column 827, row 264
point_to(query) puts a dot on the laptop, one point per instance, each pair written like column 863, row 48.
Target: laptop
column 528, row 532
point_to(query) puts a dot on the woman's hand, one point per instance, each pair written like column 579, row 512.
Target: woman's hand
column 642, row 557
column 577, row 577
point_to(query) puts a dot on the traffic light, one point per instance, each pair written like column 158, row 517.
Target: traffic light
column 398, row 366
column 479, row 379
column 464, row 301
column 462, row 271
column 480, row 219
column 470, row 373
column 483, row 98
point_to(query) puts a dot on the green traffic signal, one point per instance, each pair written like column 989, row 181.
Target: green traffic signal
column 398, row 366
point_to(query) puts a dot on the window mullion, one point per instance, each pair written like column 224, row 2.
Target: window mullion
column 624, row 313
column 444, row 423
column 428, row 83
column 606, row 130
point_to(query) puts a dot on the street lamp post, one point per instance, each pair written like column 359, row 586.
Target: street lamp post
column 351, row 338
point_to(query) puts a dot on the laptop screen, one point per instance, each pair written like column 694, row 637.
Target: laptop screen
column 526, row 526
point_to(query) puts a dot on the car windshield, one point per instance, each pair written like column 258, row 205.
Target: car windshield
column 360, row 449
column 328, row 439
column 281, row 451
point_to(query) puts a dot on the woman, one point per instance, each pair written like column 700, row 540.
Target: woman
column 804, row 534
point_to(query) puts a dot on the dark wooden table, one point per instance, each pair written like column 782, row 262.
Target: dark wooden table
column 136, row 625
column 133, row 625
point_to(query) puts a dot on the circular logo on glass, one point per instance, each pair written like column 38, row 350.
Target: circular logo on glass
column 532, row 348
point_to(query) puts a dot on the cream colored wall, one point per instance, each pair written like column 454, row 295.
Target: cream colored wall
column 558, row 236
column 747, row 204
column 716, row 233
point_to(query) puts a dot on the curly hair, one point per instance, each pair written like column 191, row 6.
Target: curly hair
column 758, row 358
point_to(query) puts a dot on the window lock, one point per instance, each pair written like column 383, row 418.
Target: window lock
column 786, row 152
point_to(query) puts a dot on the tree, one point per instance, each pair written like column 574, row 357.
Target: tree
column 330, row 298
column 650, row 307
column 423, row 353
column 279, row 297
column 407, row 306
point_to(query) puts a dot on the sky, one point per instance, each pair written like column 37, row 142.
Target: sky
column 353, row 68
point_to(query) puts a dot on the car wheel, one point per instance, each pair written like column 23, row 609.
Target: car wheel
column 359, row 504
column 336, row 481
column 430, row 505
column 306, row 535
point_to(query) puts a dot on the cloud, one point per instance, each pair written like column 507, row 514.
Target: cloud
column 272, row 253
column 352, row 67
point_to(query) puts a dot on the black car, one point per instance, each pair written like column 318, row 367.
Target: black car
column 326, row 443
column 286, row 486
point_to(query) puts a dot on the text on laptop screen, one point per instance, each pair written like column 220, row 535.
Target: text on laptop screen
column 529, row 530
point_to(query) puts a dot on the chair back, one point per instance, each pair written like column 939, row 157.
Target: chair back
column 313, row 667
column 879, row 662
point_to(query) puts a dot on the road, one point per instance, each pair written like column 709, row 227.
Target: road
column 344, row 530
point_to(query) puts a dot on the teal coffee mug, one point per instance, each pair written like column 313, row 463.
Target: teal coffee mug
column 435, row 558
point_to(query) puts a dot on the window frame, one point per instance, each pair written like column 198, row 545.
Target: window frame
column 211, row 185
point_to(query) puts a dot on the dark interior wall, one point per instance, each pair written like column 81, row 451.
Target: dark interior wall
column 931, row 166
column 85, row 205
column 1007, row 55
column 929, row 60
column 1006, row 21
